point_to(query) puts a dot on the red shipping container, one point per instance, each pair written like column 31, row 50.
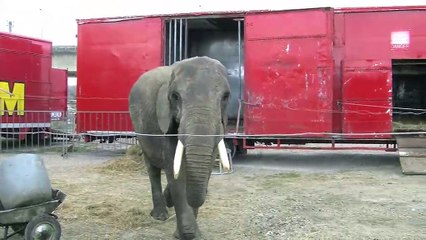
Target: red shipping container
column 111, row 57
column 307, row 73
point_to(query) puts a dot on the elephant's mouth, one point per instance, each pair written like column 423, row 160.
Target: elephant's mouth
column 179, row 154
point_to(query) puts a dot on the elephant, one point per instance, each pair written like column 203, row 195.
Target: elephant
column 179, row 113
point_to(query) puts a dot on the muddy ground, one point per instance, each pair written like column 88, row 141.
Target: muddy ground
column 271, row 195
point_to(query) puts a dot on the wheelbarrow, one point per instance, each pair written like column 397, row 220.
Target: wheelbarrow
column 35, row 221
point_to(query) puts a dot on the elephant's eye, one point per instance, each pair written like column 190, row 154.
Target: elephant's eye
column 175, row 97
column 225, row 97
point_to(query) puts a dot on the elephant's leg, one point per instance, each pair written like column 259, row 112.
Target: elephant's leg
column 187, row 227
column 159, row 210
column 195, row 212
column 168, row 196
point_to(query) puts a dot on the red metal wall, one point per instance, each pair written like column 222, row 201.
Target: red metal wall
column 59, row 90
column 110, row 58
column 366, row 44
column 28, row 61
column 289, row 72
column 306, row 71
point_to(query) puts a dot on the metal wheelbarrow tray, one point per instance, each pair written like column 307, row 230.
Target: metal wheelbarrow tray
column 32, row 221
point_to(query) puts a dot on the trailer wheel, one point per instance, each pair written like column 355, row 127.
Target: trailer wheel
column 241, row 150
column 43, row 227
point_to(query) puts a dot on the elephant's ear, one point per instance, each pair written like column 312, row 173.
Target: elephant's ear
column 163, row 109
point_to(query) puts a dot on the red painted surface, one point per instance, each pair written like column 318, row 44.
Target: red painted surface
column 289, row 72
column 329, row 146
column 242, row 13
column 28, row 61
column 110, row 58
column 59, row 89
column 317, row 70
column 366, row 98
column 366, row 55
column 379, row 9
column 374, row 40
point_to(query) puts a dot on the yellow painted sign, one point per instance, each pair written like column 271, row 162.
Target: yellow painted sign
column 12, row 100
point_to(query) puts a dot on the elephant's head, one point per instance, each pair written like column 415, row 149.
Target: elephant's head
column 194, row 105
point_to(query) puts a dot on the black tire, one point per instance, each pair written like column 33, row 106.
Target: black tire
column 49, row 223
column 241, row 151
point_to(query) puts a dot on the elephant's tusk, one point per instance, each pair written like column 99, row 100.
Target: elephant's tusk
column 223, row 154
column 178, row 159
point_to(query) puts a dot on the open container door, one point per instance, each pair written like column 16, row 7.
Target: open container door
column 366, row 99
column 289, row 72
column 111, row 55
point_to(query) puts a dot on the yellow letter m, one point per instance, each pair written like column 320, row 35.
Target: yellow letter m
column 11, row 100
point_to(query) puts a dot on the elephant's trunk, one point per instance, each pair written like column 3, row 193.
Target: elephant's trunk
column 203, row 126
column 198, row 169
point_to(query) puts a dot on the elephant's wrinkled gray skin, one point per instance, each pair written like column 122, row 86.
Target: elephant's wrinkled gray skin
column 190, row 97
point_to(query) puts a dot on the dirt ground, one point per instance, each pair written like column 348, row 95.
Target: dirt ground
column 270, row 195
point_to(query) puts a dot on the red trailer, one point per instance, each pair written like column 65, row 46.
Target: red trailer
column 31, row 91
column 297, row 77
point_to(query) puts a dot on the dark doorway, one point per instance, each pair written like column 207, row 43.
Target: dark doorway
column 409, row 94
column 220, row 38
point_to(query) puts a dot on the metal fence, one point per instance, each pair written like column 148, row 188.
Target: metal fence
column 68, row 132
column 38, row 131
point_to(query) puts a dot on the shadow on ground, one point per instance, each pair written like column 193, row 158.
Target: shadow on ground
column 318, row 161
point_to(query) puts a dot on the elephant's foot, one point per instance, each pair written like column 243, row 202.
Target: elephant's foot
column 188, row 234
column 160, row 214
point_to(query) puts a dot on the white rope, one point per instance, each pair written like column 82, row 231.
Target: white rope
column 230, row 135
column 377, row 106
column 360, row 112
